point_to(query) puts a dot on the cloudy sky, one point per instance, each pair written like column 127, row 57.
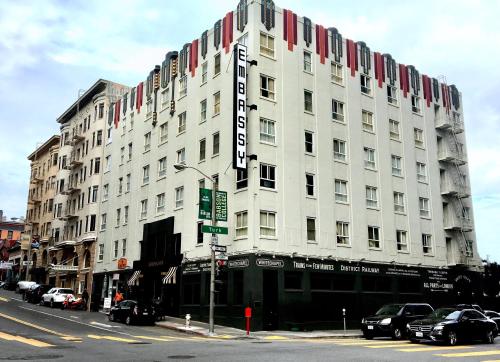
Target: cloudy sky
column 49, row 50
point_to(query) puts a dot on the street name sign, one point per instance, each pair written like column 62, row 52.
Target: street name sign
column 214, row 229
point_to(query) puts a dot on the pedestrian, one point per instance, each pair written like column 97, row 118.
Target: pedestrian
column 118, row 297
column 85, row 297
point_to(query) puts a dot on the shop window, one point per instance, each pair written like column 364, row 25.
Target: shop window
column 238, row 287
column 293, row 280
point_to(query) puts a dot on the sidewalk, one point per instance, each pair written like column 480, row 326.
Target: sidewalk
column 201, row 329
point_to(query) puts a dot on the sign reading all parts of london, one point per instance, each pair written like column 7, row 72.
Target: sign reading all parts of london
column 240, row 108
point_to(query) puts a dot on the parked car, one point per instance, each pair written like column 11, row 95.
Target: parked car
column 34, row 295
column 23, row 286
column 494, row 316
column 2, row 283
column 469, row 306
column 132, row 312
column 451, row 325
column 55, row 296
column 391, row 320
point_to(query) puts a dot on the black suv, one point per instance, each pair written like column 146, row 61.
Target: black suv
column 391, row 320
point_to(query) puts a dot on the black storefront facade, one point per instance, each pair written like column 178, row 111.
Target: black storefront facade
column 294, row 293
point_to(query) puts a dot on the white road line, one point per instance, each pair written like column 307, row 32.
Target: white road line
column 101, row 324
column 19, row 300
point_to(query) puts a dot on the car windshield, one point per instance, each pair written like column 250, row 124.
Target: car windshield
column 390, row 309
column 453, row 315
column 442, row 313
column 65, row 291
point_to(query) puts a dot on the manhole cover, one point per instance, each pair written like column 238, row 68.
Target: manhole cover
column 186, row 356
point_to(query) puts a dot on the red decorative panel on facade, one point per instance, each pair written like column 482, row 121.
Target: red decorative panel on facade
column 379, row 68
column 138, row 102
column 117, row 112
column 352, row 56
column 403, row 79
column 321, row 43
column 290, row 28
column 193, row 57
column 446, row 97
column 227, row 31
column 426, row 82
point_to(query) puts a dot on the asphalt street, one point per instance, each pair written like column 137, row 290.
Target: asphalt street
column 37, row 333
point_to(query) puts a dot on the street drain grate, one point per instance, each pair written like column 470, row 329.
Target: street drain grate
column 186, row 356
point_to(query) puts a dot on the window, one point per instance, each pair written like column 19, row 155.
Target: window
column 311, row 229
column 367, row 119
column 266, row 45
column 421, row 172
column 215, row 145
column 120, row 185
column 122, row 155
column 125, row 215
column 181, row 127
column 216, row 64
column 307, row 62
column 308, row 138
column 267, row 87
column 401, row 242
column 267, row 131
column 94, row 193
column 101, row 110
column 216, row 103
column 415, row 104
column 392, row 95
column 369, row 158
column 309, row 184
column 118, row 217
column 183, row 86
column 130, row 151
column 466, row 213
column 203, row 144
column 399, row 202
column 160, row 203
column 204, row 71
column 394, row 130
column 469, row 249
column 396, row 165
column 103, row 221
column 127, row 184
column 124, row 247
column 144, row 208
column 308, row 101
column 267, row 176
column 267, row 224
column 241, row 179
column 424, row 206
column 203, row 111
column 147, row 141
column 162, row 167
column 92, row 222
column 337, row 110
column 373, row 237
column 105, row 192
column 100, row 254
column 115, row 249
column 339, row 150
column 342, row 233
column 241, row 229
column 371, row 196
column 419, row 137
column 337, row 73
column 97, row 165
column 341, row 191
column 427, row 244
column 199, row 232
column 179, row 196
column 365, row 84
column 163, row 134
column 99, row 138
column 181, row 156
column 145, row 175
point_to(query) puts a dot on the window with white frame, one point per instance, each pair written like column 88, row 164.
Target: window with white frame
column 203, row 111
column 120, row 185
column 366, row 87
column 216, row 103
column 160, row 203
column 130, row 151
column 267, row 131
column 215, row 143
column 103, row 221
column 401, row 241
column 427, row 244
column 115, row 249
column 337, row 73
column 311, row 228
column 307, row 61
column 396, row 165
column 165, row 98
column 124, row 247
column 179, row 196
column 371, row 197
column 125, row 215
column 181, row 156
column 203, row 146
column 183, row 86
column 308, row 101
column 105, row 192
column 399, row 202
column 100, row 252
column 394, row 130
column 415, row 104
column 309, row 184
column 424, row 206
column 217, row 64
column 373, row 237
column 122, row 155
column 267, row 176
column 144, row 208
column 266, row 45
column 342, row 233
column 339, row 150
column 419, row 137
column 163, row 133
column 341, row 191
column 421, row 172
column 369, row 158
column 204, row 73
column 337, row 110
column 267, row 224
column 392, row 95
column 162, row 167
column 267, row 87
column 147, row 141
column 367, row 119
column 108, row 163
column 466, row 213
column 118, row 217
column 181, row 126
column 308, row 140
column 241, row 179
column 131, row 121
column 145, row 174
column 127, row 184
column 241, row 228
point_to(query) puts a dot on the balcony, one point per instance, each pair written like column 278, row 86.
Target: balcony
column 75, row 162
column 36, row 179
column 454, row 189
column 77, row 137
column 71, row 189
column 68, row 215
column 35, row 199
column 451, row 153
column 457, row 223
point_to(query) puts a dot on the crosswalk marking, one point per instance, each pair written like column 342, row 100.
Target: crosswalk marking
column 30, row 341
column 112, row 338
column 437, row 348
column 274, row 338
column 72, row 339
column 470, row 354
column 399, row 345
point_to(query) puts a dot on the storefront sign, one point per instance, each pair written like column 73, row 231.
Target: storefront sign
column 61, row 267
column 205, row 207
column 116, row 276
column 122, row 263
column 107, row 303
column 270, row 263
column 238, row 263
column 240, row 108
column 6, row 265
column 221, row 205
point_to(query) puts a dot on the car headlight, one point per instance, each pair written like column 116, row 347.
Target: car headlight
column 438, row 328
column 408, row 326
column 385, row 321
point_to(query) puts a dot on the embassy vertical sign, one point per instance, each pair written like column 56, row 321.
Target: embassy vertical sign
column 240, row 107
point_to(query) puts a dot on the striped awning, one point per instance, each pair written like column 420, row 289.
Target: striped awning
column 133, row 279
column 170, row 277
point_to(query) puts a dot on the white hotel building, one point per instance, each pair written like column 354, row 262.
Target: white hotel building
column 356, row 190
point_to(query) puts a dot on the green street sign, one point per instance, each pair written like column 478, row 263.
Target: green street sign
column 221, row 205
column 209, row 229
column 205, row 209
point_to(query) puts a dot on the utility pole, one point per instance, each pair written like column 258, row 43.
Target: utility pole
column 212, row 266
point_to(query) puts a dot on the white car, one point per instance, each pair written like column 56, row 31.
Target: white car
column 23, row 286
column 55, row 296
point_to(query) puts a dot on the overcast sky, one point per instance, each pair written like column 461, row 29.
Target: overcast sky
column 49, row 50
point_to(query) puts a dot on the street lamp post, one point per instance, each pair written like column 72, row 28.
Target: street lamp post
column 180, row 166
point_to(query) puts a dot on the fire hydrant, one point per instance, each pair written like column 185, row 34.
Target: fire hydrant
column 188, row 321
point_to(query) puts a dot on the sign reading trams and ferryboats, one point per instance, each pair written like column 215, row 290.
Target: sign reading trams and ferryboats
column 240, row 108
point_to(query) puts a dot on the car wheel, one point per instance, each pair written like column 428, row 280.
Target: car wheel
column 52, row 305
column 128, row 320
column 452, row 338
column 111, row 317
column 490, row 337
column 397, row 333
